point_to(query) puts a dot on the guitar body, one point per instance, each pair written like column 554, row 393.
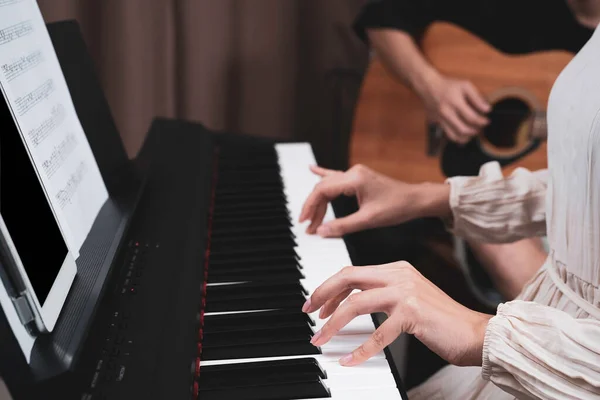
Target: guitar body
column 390, row 124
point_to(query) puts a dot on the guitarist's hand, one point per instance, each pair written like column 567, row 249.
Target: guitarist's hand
column 457, row 106
column 382, row 201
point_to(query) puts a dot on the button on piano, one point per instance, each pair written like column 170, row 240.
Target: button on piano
column 191, row 283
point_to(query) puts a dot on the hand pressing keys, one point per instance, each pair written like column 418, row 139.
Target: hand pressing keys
column 413, row 305
column 383, row 201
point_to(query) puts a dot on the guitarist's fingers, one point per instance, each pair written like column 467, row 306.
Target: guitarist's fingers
column 462, row 130
column 476, row 98
column 471, row 116
column 451, row 133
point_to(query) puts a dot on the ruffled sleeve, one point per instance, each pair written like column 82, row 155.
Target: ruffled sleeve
column 496, row 209
column 537, row 352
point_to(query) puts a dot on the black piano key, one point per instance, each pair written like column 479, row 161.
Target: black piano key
column 278, row 276
column 259, row 373
column 251, row 246
column 263, row 335
column 265, row 172
column 260, row 259
column 240, row 186
column 248, row 157
column 235, row 269
column 291, row 300
column 251, row 290
column 258, row 266
column 285, row 391
column 251, row 197
column 308, row 364
column 252, row 174
column 233, row 168
column 240, row 254
column 276, row 349
column 266, row 239
column 224, row 221
column 249, row 180
column 256, row 320
column 257, row 188
column 280, row 210
column 237, row 207
column 251, row 230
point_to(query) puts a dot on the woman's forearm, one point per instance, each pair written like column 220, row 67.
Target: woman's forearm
column 433, row 200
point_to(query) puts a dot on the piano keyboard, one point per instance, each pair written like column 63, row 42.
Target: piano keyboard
column 254, row 340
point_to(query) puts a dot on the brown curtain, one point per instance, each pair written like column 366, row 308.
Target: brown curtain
column 250, row 66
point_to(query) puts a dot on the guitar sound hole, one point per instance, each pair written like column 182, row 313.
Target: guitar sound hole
column 506, row 121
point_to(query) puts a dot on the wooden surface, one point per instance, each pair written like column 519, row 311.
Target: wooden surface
column 389, row 129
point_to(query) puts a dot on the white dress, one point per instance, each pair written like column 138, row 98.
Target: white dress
column 546, row 343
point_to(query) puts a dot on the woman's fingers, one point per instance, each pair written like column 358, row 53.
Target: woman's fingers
column 317, row 218
column 361, row 303
column 332, row 304
column 317, row 212
column 341, row 226
column 315, row 169
column 328, row 189
column 347, row 278
column 383, row 336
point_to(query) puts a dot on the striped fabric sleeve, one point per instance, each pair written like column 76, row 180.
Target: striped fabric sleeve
column 491, row 208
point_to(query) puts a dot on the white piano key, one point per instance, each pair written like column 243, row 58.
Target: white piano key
column 370, row 367
column 386, row 393
column 355, row 381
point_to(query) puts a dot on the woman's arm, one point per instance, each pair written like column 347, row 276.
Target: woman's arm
column 488, row 208
column 538, row 352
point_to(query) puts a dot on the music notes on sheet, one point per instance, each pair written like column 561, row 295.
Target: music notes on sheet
column 15, row 31
column 39, row 134
column 27, row 102
column 59, row 154
column 9, row 2
column 65, row 195
column 21, row 65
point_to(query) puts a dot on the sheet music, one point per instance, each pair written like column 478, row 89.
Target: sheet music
column 35, row 89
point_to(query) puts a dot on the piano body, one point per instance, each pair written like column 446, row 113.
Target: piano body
column 191, row 283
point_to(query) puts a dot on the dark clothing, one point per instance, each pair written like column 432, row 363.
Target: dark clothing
column 512, row 26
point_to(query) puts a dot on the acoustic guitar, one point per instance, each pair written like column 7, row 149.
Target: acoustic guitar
column 390, row 129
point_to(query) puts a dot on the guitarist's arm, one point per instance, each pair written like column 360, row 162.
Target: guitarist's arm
column 402, row 57
column 391, row 28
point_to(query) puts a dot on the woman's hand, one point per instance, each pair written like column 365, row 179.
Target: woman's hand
column 382, row 201
column 413, row 305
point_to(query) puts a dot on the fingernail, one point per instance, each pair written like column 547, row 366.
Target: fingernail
column 315, row 337
column 306, row 305
column 324, row 230
column 346, row 359
column 321, row 313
